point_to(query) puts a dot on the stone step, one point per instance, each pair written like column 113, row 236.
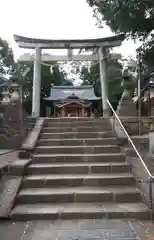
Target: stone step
column 77, row 149
column 77, row 168
column 77, row 171
column 75, row 120
column 79, row 142
column 58, row 180
column 78, row 124
column 17, row 167
column 75, row 129
column 79, row 211
column 64, row 135
column 78, row 194
column 76, row 158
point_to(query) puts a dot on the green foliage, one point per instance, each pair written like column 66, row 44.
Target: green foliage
column 6, row 54
column 6, row 64
column 92, row 76
column 6, row 59
column 57, row 76
column 48, row 77
column 148, row 55
column 133, row 17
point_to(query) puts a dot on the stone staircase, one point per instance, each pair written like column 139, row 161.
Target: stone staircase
column 78, row 171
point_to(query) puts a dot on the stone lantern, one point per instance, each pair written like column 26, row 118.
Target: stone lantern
column 151, row 97
column 127, row 84
column 126, row 110
column 4, row 109
column 151, row 92
column 126, row 106
column 15, row 95
column 151, row 80
column 16, row 105
column 11, row 116
column 6, row 97
column 5, row 94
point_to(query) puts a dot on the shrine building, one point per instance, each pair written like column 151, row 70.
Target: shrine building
column 70, row 101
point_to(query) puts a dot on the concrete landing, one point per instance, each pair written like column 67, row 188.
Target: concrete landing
column 77, row 230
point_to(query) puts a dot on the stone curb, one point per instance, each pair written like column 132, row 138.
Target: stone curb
column 4, row 168
column 9, row 151
column 29, row 143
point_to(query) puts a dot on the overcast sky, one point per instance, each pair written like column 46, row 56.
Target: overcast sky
column 53, row 19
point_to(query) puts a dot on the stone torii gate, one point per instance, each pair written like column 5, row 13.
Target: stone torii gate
column 100, row 44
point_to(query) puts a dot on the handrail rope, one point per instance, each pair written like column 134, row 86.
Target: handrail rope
column 130, row 140
column 51, row 65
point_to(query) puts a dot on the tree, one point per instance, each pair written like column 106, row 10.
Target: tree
column 148, row 55
column 6, row 64
column 134, row 18
column 6, row 54
column 92, row 76
column 6, row 60
column 49, row 76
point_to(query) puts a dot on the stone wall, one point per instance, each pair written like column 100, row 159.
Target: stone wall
column 142, row 177
column 10, row 139
column 13, row 126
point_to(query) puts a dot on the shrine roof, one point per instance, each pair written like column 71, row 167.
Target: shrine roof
column 26, row 42
column 85, row 92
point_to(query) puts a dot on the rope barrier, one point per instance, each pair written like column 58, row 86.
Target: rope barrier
column 51, row 65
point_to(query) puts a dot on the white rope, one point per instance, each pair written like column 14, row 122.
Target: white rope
column 45, row 64
column 51, row 65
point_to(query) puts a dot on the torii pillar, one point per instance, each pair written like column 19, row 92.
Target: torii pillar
column 104, row 80
column 36, row 83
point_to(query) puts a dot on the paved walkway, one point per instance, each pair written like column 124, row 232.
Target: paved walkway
column 77, row 230
column 7, row 157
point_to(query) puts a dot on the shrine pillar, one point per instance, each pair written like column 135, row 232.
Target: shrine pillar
column 82, row 112
column 104, row 80
column 63, row 112
column 36, row 84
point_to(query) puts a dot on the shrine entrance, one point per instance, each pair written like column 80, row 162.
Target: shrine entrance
column 72, row 107
column 72, row 110
column 100, row 45
column 71, row 101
